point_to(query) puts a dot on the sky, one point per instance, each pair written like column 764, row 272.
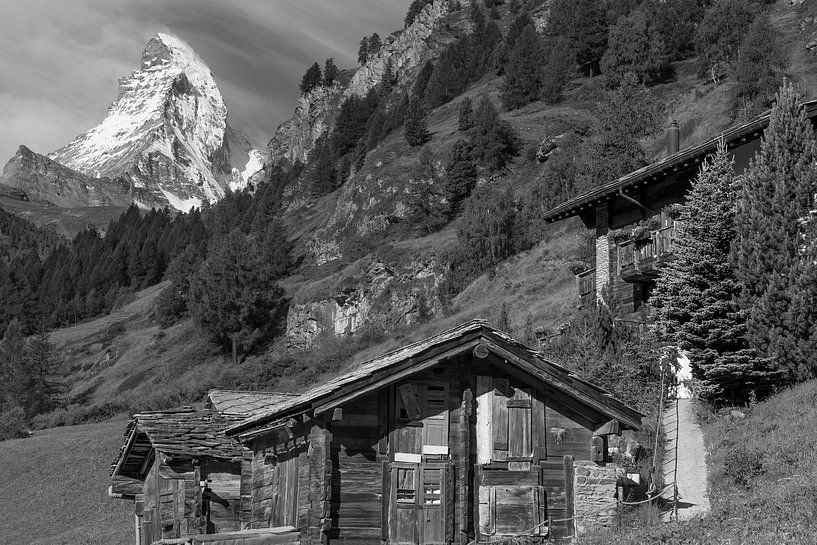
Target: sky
column 60, row 60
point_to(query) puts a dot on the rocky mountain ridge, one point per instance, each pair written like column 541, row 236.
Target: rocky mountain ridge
column 40, row 179
column 406, row 50
column 164, row 141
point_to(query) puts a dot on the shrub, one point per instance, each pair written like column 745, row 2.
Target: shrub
column 12, row 423
column 743, row 464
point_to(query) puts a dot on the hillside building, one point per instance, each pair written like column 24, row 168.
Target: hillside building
column 467, row 435
column 634, row 219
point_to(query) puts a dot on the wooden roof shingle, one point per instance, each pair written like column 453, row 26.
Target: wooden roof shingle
column 184, row 432
column 236, row 402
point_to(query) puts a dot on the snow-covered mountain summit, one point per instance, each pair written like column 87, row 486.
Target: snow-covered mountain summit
column 166, row 133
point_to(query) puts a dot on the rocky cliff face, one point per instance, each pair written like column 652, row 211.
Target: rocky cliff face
column 386, row 295
column 166, row 133
column 45, row 181
column 407, row 50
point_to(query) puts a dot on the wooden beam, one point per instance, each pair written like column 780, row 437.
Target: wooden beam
column 610, row 428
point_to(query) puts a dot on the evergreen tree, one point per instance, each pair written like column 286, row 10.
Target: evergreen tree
column 522, row 83
column 43, row 367
column 418, row 91
column 557, row 70
column 720, row 33
column 760, row 64
column 235, row 294
column 416, row 124
column 451, row 73
column 583, row 23
column 777, row 194
column 503, row 51
column 633, row 46
column 461, row 176
column 330, row 72
column 676, row 23
column 427, row 212
column 363, row 51
column 465, row 118
column 311, row 79
column 695, row 300
column 374, row 44
column 414, row 10
column 492, row 140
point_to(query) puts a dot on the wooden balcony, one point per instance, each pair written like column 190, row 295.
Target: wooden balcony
column 641, row 260
column 586, row 283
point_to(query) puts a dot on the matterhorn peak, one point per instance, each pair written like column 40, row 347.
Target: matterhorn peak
column 165, row 133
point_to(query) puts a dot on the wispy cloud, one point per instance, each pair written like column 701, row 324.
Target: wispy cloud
column 60, row 61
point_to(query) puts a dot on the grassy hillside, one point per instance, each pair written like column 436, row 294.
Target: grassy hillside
column 54, row 488
column 763, row 477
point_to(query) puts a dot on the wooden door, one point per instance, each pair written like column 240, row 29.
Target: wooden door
column 420, row 504
column 511, row 503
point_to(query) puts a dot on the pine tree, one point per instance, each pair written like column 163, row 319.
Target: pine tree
column 465, row 118
column 633, row 46
column 557, row 70
column 760, row 64
column 695, row 300
column 416, row 124
column 583, row 23
column 311, row 79
column 777, row 194
column 374, row 44
column 363, row 51
column 330, row 72
column 461, row 176
column 493, row 141
column 43, row 366
column 522, row 83
column 427, row 212
column 235, row 294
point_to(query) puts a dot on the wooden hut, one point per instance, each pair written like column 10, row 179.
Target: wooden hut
column 633, row 216
column 467, row 435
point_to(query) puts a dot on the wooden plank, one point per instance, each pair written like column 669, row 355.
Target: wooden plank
column 538, row 430
column 499, row 420
column 570, row 501
column 408, row 395
column 383, row 421
column 386, row 502
column 485, row 404
column 519, row 434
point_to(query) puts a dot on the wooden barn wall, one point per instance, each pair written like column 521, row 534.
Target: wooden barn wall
column 356, row 473
column 225, row 495
column 336, row 490
column 172, row 502
column 280, row 477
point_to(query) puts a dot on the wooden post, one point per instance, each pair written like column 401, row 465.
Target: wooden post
column 235, row 348
column 570, row 501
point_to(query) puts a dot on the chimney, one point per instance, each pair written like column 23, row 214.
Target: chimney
column 673, row 138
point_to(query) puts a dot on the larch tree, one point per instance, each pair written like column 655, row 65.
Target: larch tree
column 523, row 76
column 696, row 299
column 416, row 124
column 777, row 195
column 330, row 72
column 235, row 294
column 311, row 79
column 633, row 46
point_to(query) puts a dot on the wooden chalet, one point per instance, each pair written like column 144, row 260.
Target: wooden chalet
column 465, row 436
column 633, row 215
column 184, row 474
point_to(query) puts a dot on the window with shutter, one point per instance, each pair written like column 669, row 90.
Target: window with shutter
column 510, row 424
column 421, row 423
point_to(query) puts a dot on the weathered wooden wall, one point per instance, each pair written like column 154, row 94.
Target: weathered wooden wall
column 335, row 478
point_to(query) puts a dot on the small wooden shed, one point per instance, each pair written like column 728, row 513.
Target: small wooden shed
column 183, row 473
column 467, row 435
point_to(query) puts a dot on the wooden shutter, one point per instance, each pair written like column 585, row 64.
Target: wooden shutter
column 505, row 422
column 435, row 418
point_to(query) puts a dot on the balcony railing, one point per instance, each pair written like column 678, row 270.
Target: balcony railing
column 641, row 260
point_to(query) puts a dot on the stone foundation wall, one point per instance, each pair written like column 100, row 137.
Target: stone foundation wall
column 602, row 249
column 595, row 488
